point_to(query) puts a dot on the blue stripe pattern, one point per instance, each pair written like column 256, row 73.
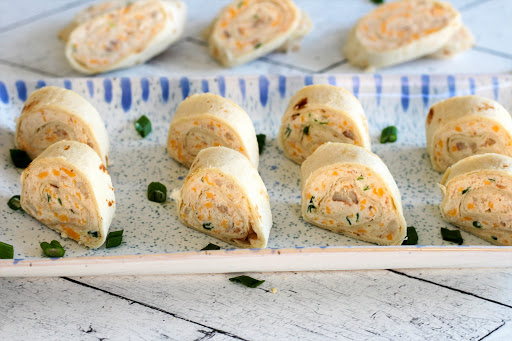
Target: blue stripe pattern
column 205, row 86
column 40, row 84
column 185, row 87
column 144, row 85
column 332, row 80
column 4, row 96
column 222, row 85
column 67, row 84
column 126, row 93
column 164, row 86
column 472, row 86
column 378, row 87
column 90, row 87
column 405, row 93
column 308, row 80
column 451, row 86
column 22, row 90
column 282, row 86
column 241, row 84
column 355, row 86
column 263, row 83
column 107, row 85
column 496, row 87
column 425, row 88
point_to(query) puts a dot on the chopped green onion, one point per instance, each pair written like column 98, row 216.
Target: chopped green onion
column 492, row 180
column 60, row 201
column 14, row 203
column 247, row 281
column 114, row 239
column 389, row 134
column 451, row 235
column 48, row 197
column 311, row 206
column 6, row 251
column 53, row 249
column 93, row 234
column 288, row 131
column 349, row 222
column 208, row 226
column 20, row 158
column 306, row 130
column 210, row 246
column 143, row 126
column 495, row 238
column 261, row 142
column 477, row 224
column 377, row 2
column 157, row 192
column 466, row 190
column 360, row 177
column 257, row 46
column 412, row 236
column 367, row 187
column 357, row 217
column 317, row 121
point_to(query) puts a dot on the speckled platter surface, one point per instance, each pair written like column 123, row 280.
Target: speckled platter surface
column 152, row 229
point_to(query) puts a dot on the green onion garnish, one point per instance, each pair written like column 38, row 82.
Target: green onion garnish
column 492, row 180
column 60, row 201
column 53, row 249
column 6, row 251
column 19, row 158
column 367, row 187
column 143, row 126
column 261, row 142
column 306, row 130
column 288, row 131
column 114, row 239
column 311, row 205
column 389, row 134
column 14, row 203
column 360, row 177
column 412, row 236
column 495, row 238
column 477, row 224
column 210, row 246
column 257, row 46
column 247, row 281
column 48, row 197
column 349, row 222
column 208, row 226
column 157, row 192
column 93, row 234
column 466, row 190
column 357, row 217
column 451, row 235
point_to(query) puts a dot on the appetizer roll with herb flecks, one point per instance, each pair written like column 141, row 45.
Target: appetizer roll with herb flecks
column 400, row 31
column 248, row 29
column 466, row 125
column 52, row 114
column 208, row 120
column 125, row 36
column 321, row 113
column 477, row 197
column 224, row 196
column 68, row 189
column 349, row 190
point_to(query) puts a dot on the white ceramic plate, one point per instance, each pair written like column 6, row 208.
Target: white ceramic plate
column 155, row 242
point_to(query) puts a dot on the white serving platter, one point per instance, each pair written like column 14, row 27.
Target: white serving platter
column 155, row 242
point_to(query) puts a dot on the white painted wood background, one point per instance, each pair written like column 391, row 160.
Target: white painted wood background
column 470, row 304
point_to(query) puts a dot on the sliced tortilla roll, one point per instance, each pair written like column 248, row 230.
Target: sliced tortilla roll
column 349, row 190
column 68, row 189
column 466, row 125
column 224, row 196
column 125, row 36
column 321, row 113
column 477, row 197
column 53, row 114
column 248, row 29
column 400, row 31
column 208, row 120
column 461, row 41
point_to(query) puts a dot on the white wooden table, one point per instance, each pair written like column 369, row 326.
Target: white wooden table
column 465, row 304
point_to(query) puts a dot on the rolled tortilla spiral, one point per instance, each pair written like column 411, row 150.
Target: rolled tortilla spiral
column 125, row 36
column 52, row 114
column 349, row 190
column 321, row 113
column 224, row 196
column 396, row 32
column 477, row 197
column 466, row 125
column 68, row 189
column 208, row 120
column 248, row 29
